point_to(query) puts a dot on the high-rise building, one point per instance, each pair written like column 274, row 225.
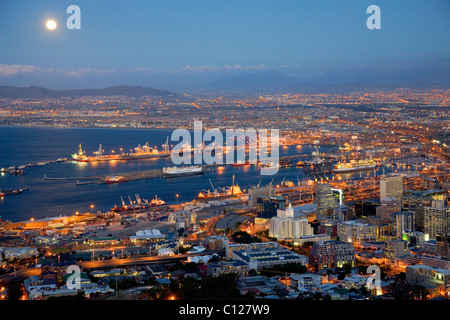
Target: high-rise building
column 267, row 206
column 366, row 208
column 403, row 221
column 387, row 207
column 443, row 246
column 415, row 200
column 331, row 254
column 437, row 219
column 326, row 201
column 391, row 186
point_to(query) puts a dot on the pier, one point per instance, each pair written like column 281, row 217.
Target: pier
column 145, row 174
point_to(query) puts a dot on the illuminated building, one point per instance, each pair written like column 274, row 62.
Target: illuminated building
column 437, row 219
column 436, row 261
column 285, row 227
column 395, row 251
column 403, row 221
column 326, row 201
column 415, row 238
column 443, row 246
column 415, row 200
column 307, row 281
column 387, row 207
column 366, row 208
column 355, row 231
column 268, row 257
column 420, row 274
column 391, row 186
column 224, row 267
column 331, row 254
column 182, row 219
column 267, row 206
column 255, row 192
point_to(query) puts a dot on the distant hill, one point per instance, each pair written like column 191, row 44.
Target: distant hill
column 38, row 92
column 270, row 81
column 265, row 81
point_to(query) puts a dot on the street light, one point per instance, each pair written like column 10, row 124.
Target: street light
column 177, row 198
column 92, row 208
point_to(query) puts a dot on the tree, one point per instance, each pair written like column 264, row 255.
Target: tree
column 283, row 269
column 14, row 291
column 242, row 237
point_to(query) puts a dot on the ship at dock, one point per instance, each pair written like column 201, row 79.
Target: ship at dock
column 141, row 152
column 219, row 192
column 138, row 204
column 115, row 179
column 147, row 152
column 354, row 165
column 182, row 171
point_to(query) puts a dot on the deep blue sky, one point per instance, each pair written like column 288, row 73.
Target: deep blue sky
column 143, row 40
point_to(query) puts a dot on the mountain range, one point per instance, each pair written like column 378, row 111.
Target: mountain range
column 272, row 81
column 435, row 76
column 39, row 92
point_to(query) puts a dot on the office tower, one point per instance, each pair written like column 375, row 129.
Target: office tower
column 325, row 200
column 403, row 221
column 391, row 186
column 366, row 208
column 437, row 219
column 267, row 206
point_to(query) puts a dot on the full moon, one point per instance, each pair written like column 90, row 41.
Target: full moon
column 51, row 25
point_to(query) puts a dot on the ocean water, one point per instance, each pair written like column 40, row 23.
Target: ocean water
column 47, row 198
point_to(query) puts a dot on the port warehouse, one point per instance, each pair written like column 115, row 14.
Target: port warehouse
column 48, row 222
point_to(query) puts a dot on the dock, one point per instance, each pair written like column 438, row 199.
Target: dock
column 145, row 174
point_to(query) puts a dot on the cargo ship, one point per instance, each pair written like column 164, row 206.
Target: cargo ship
column 354, row 165
column 233, row 190
column 138, row 204
column 182, row 171
column 144, row 152
column 116, row 179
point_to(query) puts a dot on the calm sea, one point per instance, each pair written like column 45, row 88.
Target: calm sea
column 47, row 198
